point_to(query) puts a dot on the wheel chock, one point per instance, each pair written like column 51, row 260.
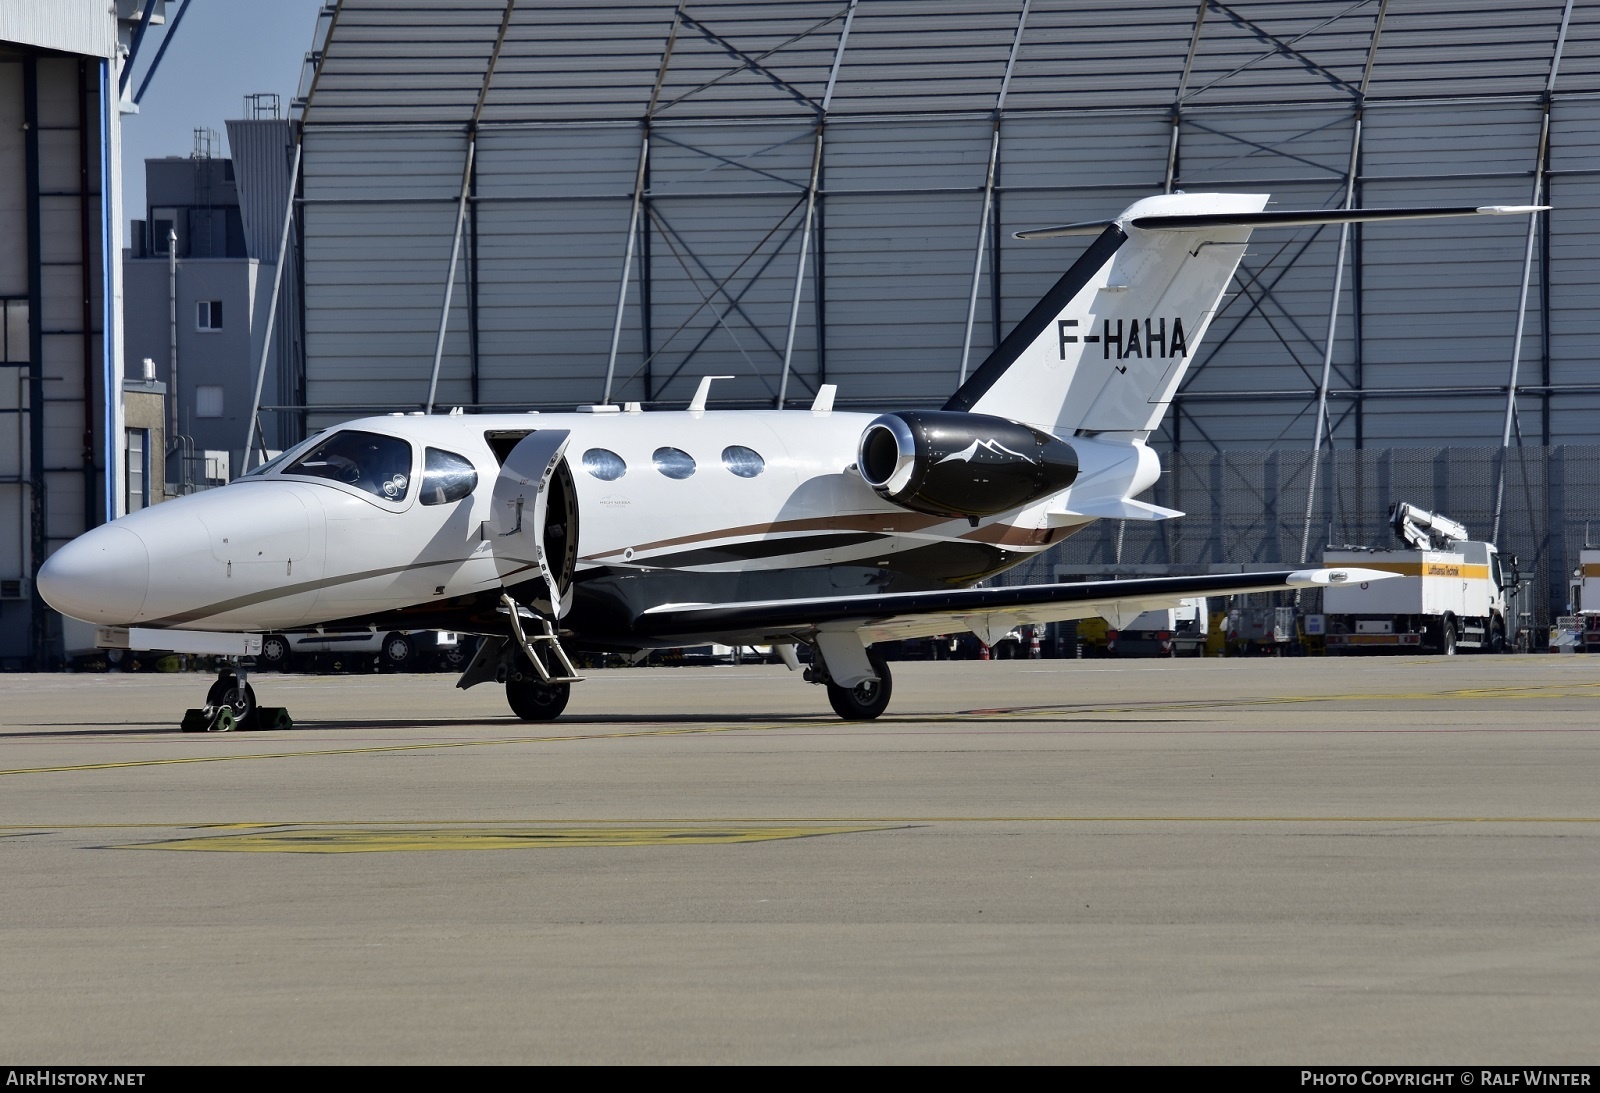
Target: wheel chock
column 222, row 720
column 209, row 719
column 272, row 717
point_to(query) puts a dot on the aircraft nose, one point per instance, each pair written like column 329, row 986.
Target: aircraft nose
column 101, row 576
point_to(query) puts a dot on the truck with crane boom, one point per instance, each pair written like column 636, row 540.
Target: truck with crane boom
column 1451, row 592
column 1586, row 598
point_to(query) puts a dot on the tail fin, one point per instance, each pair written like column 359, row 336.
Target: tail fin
column 1107, row 346
column 1105, row 349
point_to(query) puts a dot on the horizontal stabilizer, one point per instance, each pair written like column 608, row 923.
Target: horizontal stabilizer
column 1286, row 218
column 1113, row 508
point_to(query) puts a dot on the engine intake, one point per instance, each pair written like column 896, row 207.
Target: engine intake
column 947, row 463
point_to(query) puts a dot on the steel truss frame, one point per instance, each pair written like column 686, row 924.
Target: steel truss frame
column 790, row 248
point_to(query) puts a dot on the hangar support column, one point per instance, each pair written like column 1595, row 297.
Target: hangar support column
column 1541, row 168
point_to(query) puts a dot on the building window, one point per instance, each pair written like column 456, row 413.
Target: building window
column 208, row 400
column 161, row 230
column 208, row 315
column 14, row 331
column 136, row 452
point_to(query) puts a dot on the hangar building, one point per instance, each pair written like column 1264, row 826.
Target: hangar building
column 512, row 205
column 61, row 438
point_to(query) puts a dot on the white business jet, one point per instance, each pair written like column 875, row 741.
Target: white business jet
column 610, row 529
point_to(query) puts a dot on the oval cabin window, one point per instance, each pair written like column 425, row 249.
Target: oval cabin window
column 605, row 465
column 742, row 461
column 673, row 462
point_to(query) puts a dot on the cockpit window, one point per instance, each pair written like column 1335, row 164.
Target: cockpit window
column 446, row 477
column 673, row 462
column 278, row 461
column 379, row 464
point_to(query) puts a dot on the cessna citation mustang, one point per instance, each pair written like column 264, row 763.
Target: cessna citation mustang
column 616, row 530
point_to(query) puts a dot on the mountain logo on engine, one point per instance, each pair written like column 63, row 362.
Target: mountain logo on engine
column 970, row 452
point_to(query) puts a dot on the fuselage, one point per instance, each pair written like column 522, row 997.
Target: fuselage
column 669, row 507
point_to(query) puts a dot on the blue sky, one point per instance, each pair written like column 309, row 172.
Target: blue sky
column 223, row 50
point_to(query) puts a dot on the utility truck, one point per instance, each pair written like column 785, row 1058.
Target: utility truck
column 1450, row 592
column 1588, row 626
column 1168, row 632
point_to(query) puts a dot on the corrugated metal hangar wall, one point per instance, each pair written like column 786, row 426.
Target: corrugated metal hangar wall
column 545, row 205
column 60, row 434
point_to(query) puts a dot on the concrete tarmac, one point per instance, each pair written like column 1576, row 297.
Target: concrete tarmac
column 1296, row 861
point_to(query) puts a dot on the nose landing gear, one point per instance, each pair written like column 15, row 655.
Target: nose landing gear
column 231, row 706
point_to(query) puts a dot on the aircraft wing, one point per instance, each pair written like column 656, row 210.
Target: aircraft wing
column 988, row 612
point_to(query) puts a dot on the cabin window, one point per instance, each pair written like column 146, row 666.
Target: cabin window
column 446, row 477
column 742, row 461
column 673, row 462
column 605, row 465
column 378, row 464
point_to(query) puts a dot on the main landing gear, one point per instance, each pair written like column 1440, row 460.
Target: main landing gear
column 863, row 701
column 231, row 706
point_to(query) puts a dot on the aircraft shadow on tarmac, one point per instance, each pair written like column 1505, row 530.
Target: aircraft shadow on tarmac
column 995, row 717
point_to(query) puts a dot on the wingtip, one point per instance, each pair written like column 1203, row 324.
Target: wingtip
column 1333, row 575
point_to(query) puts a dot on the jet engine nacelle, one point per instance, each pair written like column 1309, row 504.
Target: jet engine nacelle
column 947, row 463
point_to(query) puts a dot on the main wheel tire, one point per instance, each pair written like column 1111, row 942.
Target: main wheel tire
column 868, row 699
column 397, row 652
column 275, row 653
column 532, row 700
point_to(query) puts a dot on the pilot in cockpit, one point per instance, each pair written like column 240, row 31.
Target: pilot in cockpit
column 378, row 464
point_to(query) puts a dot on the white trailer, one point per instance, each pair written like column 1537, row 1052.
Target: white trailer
column 1448, row 593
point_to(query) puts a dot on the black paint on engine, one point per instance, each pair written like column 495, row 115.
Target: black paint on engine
column 948, row 463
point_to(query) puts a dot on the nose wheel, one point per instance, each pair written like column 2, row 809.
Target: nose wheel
column 532, row 700
column 231, row 706
column 232, row 702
